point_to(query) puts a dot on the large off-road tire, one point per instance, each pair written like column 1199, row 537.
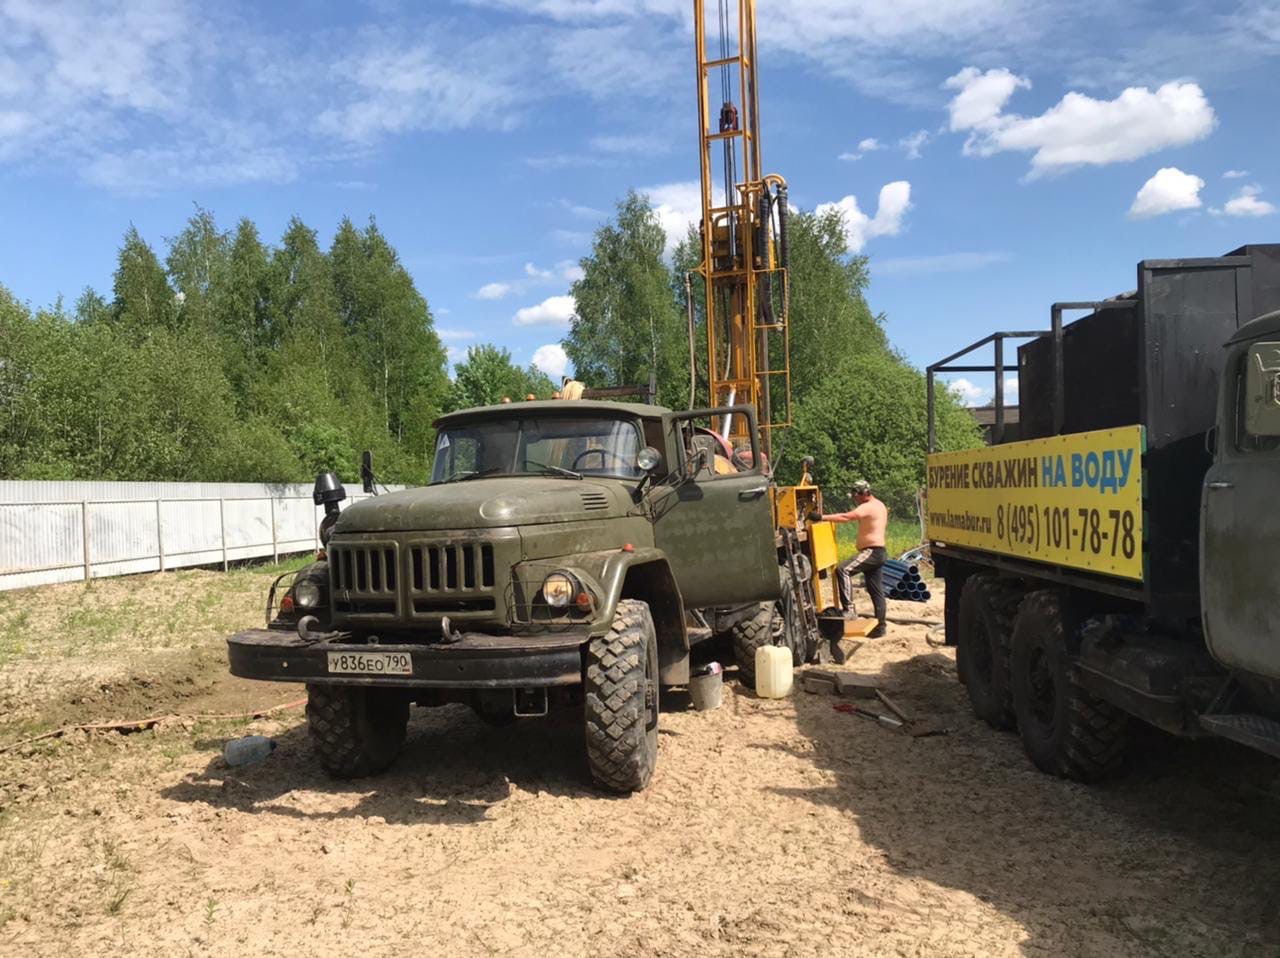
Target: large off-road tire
column 356, row 730
column 773, row 623
column 621, row 687
column 1065, row 730
column 987, row 608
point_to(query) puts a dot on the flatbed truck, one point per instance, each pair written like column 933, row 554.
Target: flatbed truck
column 1111, row 556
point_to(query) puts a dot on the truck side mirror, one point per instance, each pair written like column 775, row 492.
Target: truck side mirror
column 366, row 472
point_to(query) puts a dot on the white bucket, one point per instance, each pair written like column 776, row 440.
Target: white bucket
column 706, row 691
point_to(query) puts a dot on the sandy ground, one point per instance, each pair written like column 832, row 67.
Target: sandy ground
column 771, row 828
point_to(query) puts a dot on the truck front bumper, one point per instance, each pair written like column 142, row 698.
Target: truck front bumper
column 477, row 661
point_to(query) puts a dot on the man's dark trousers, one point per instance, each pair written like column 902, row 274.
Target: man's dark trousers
column 870, row 562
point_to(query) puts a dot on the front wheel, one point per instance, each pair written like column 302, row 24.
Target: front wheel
column 621, row 686
column 1065, row 730
column 355, row 730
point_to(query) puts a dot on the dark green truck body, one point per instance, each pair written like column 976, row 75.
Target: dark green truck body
column 438, row 591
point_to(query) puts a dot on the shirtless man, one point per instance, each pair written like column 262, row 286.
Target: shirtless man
column 872, row 517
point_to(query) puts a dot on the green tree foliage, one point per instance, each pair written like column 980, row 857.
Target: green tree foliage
column 143, row 299
column 488, row 376
column 868, row 420
column 228, row 361
column 858, row 407
column 627, row 322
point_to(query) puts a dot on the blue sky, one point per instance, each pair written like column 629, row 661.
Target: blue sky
column 992, row 155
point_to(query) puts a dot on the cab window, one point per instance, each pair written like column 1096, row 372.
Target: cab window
column 1258, row 399
column 714, row 447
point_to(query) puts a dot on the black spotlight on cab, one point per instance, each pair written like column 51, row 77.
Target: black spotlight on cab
column 328, row 492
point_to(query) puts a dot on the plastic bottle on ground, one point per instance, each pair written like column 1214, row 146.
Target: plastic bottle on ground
column 247, row 750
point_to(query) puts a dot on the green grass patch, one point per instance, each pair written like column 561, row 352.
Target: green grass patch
column 903, row 534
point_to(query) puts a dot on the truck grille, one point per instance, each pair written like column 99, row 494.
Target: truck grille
column 364, row 578
column 452, row 577
column 407, row 580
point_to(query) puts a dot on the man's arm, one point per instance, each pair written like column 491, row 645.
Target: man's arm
column 835, row 516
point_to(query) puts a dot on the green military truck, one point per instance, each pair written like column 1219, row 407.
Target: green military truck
column 1112, row 556
column 565, row 554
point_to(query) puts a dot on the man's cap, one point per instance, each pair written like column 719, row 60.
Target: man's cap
column 861, row 488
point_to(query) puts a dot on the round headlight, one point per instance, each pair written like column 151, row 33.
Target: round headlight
column 648, row 458
column 559, row 589
column 306, row 594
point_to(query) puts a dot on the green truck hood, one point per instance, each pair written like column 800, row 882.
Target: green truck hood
column 488, row 503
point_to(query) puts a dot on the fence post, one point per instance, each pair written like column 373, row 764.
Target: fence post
column 84, row 535
column 275, row 542
column 222, row 530
column 159, row 537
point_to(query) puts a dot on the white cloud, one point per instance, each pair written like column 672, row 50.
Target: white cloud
column 895, row 201
column 552, row 360
column 493, row 291
column 569, row 270
column 678, row 207
column 454, row 335
column 981, row 97
column 913, row 143
column 944, row 263
column 970, row 394
column 570, row 237
column 578, row 209
column 1010, row 389
column 391, row 85
column 553, row 311
column 533, row 272
column 1166, row 192
column 1235, row 174
column 635, row 143
column 868, row 145
column 1079, row 130
column 154, row 168
column 1246, row 203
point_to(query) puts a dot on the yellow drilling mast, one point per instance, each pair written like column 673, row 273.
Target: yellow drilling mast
column 744, row 271
column 743, row 248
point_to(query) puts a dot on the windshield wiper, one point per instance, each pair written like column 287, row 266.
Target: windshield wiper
column 555, row 470
column 463, row 477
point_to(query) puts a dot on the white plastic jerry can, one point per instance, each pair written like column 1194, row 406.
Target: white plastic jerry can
column 773, row 672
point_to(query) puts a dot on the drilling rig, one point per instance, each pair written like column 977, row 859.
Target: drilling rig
column 744, row 274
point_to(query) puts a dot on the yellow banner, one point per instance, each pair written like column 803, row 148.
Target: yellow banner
column 1070, row 500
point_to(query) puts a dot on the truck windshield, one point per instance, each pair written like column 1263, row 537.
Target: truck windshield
column 542, row 446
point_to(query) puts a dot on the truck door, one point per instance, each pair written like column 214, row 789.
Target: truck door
column 1240, row 527
column 713, row 516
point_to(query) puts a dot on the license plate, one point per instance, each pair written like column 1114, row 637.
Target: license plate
column 370, row 663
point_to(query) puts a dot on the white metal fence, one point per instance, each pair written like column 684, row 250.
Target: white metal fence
column 63, row 531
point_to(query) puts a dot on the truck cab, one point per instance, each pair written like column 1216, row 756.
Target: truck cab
column 1240, row 525
column 552, row 560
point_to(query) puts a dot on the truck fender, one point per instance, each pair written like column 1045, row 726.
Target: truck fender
column 645, row 574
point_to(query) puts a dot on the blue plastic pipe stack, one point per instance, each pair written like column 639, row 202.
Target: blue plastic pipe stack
column 902, row 581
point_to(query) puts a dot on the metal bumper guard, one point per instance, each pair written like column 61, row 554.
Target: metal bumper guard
column 477, row 661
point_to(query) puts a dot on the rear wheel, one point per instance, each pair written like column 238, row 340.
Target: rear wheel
column 621, row 688
column 356, row 730
column 1065, row 730
column 985, row 630
column 773, row 623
